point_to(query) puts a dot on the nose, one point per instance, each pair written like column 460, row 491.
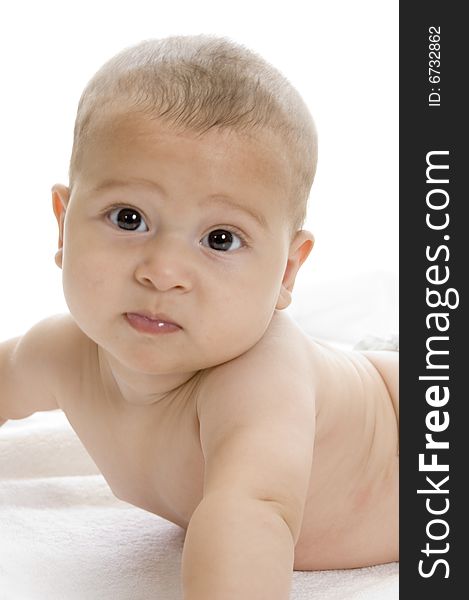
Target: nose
column 165, row 264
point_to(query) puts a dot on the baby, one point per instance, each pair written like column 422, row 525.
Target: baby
column 197, row 396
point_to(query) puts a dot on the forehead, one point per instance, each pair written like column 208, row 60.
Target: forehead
column 137, row 145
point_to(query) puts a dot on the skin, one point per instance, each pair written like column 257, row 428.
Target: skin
column 167, row 269
column 158, row 414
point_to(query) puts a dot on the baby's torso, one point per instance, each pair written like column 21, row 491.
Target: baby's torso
column 151, row 455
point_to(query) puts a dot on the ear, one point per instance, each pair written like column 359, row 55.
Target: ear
column 60, row 199
column 300, row 247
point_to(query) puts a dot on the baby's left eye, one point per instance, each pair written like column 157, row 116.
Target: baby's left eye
column 128, row 219
column 223, row 240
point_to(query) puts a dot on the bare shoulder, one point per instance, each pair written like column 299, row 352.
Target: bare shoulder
column 62, row 341
column 257, row 424
column 282, row 354
column 35, row 365
column 69, row 348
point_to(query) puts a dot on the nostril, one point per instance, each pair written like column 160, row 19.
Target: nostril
column 163, row 277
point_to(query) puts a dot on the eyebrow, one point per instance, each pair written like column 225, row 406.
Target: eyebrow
column 212, row 199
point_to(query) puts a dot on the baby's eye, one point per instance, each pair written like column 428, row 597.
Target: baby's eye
column 221, row 239
column 128, row 219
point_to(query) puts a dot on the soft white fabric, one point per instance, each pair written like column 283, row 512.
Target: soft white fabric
column 64, row 536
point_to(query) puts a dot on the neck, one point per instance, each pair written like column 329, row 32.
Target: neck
column 141, row 389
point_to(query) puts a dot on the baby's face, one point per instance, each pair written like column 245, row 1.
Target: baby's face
column 195, row 228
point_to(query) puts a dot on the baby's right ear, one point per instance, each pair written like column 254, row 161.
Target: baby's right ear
column 60, row 198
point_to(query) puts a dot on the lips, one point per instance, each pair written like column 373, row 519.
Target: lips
column 149, row 323
column 151, row 317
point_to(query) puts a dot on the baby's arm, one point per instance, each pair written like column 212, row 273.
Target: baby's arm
column 257, row 434
column 28, row 370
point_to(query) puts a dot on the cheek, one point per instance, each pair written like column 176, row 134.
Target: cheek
column 246, row 300
column 87, row 270
column 266, row 280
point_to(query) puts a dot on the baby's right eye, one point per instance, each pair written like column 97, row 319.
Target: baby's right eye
column 127, row 218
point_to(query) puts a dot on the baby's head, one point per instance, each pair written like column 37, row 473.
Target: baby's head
column 191, row 167
column 197, row 84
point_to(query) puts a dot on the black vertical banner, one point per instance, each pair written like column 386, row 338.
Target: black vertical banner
column 434, row 341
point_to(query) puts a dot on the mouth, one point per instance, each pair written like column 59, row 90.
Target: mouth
column 146, row 322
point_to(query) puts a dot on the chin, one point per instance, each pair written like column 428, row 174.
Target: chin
column 158, row 362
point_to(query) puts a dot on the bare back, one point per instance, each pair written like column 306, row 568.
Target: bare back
column 151, row 455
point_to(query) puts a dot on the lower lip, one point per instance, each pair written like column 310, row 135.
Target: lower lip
column 145, row 325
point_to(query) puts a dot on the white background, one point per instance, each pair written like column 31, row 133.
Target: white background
column 342, row 56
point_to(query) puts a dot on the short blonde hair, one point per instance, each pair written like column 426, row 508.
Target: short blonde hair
column 198, row 83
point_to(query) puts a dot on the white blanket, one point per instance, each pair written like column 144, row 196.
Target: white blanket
column 64, row 536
